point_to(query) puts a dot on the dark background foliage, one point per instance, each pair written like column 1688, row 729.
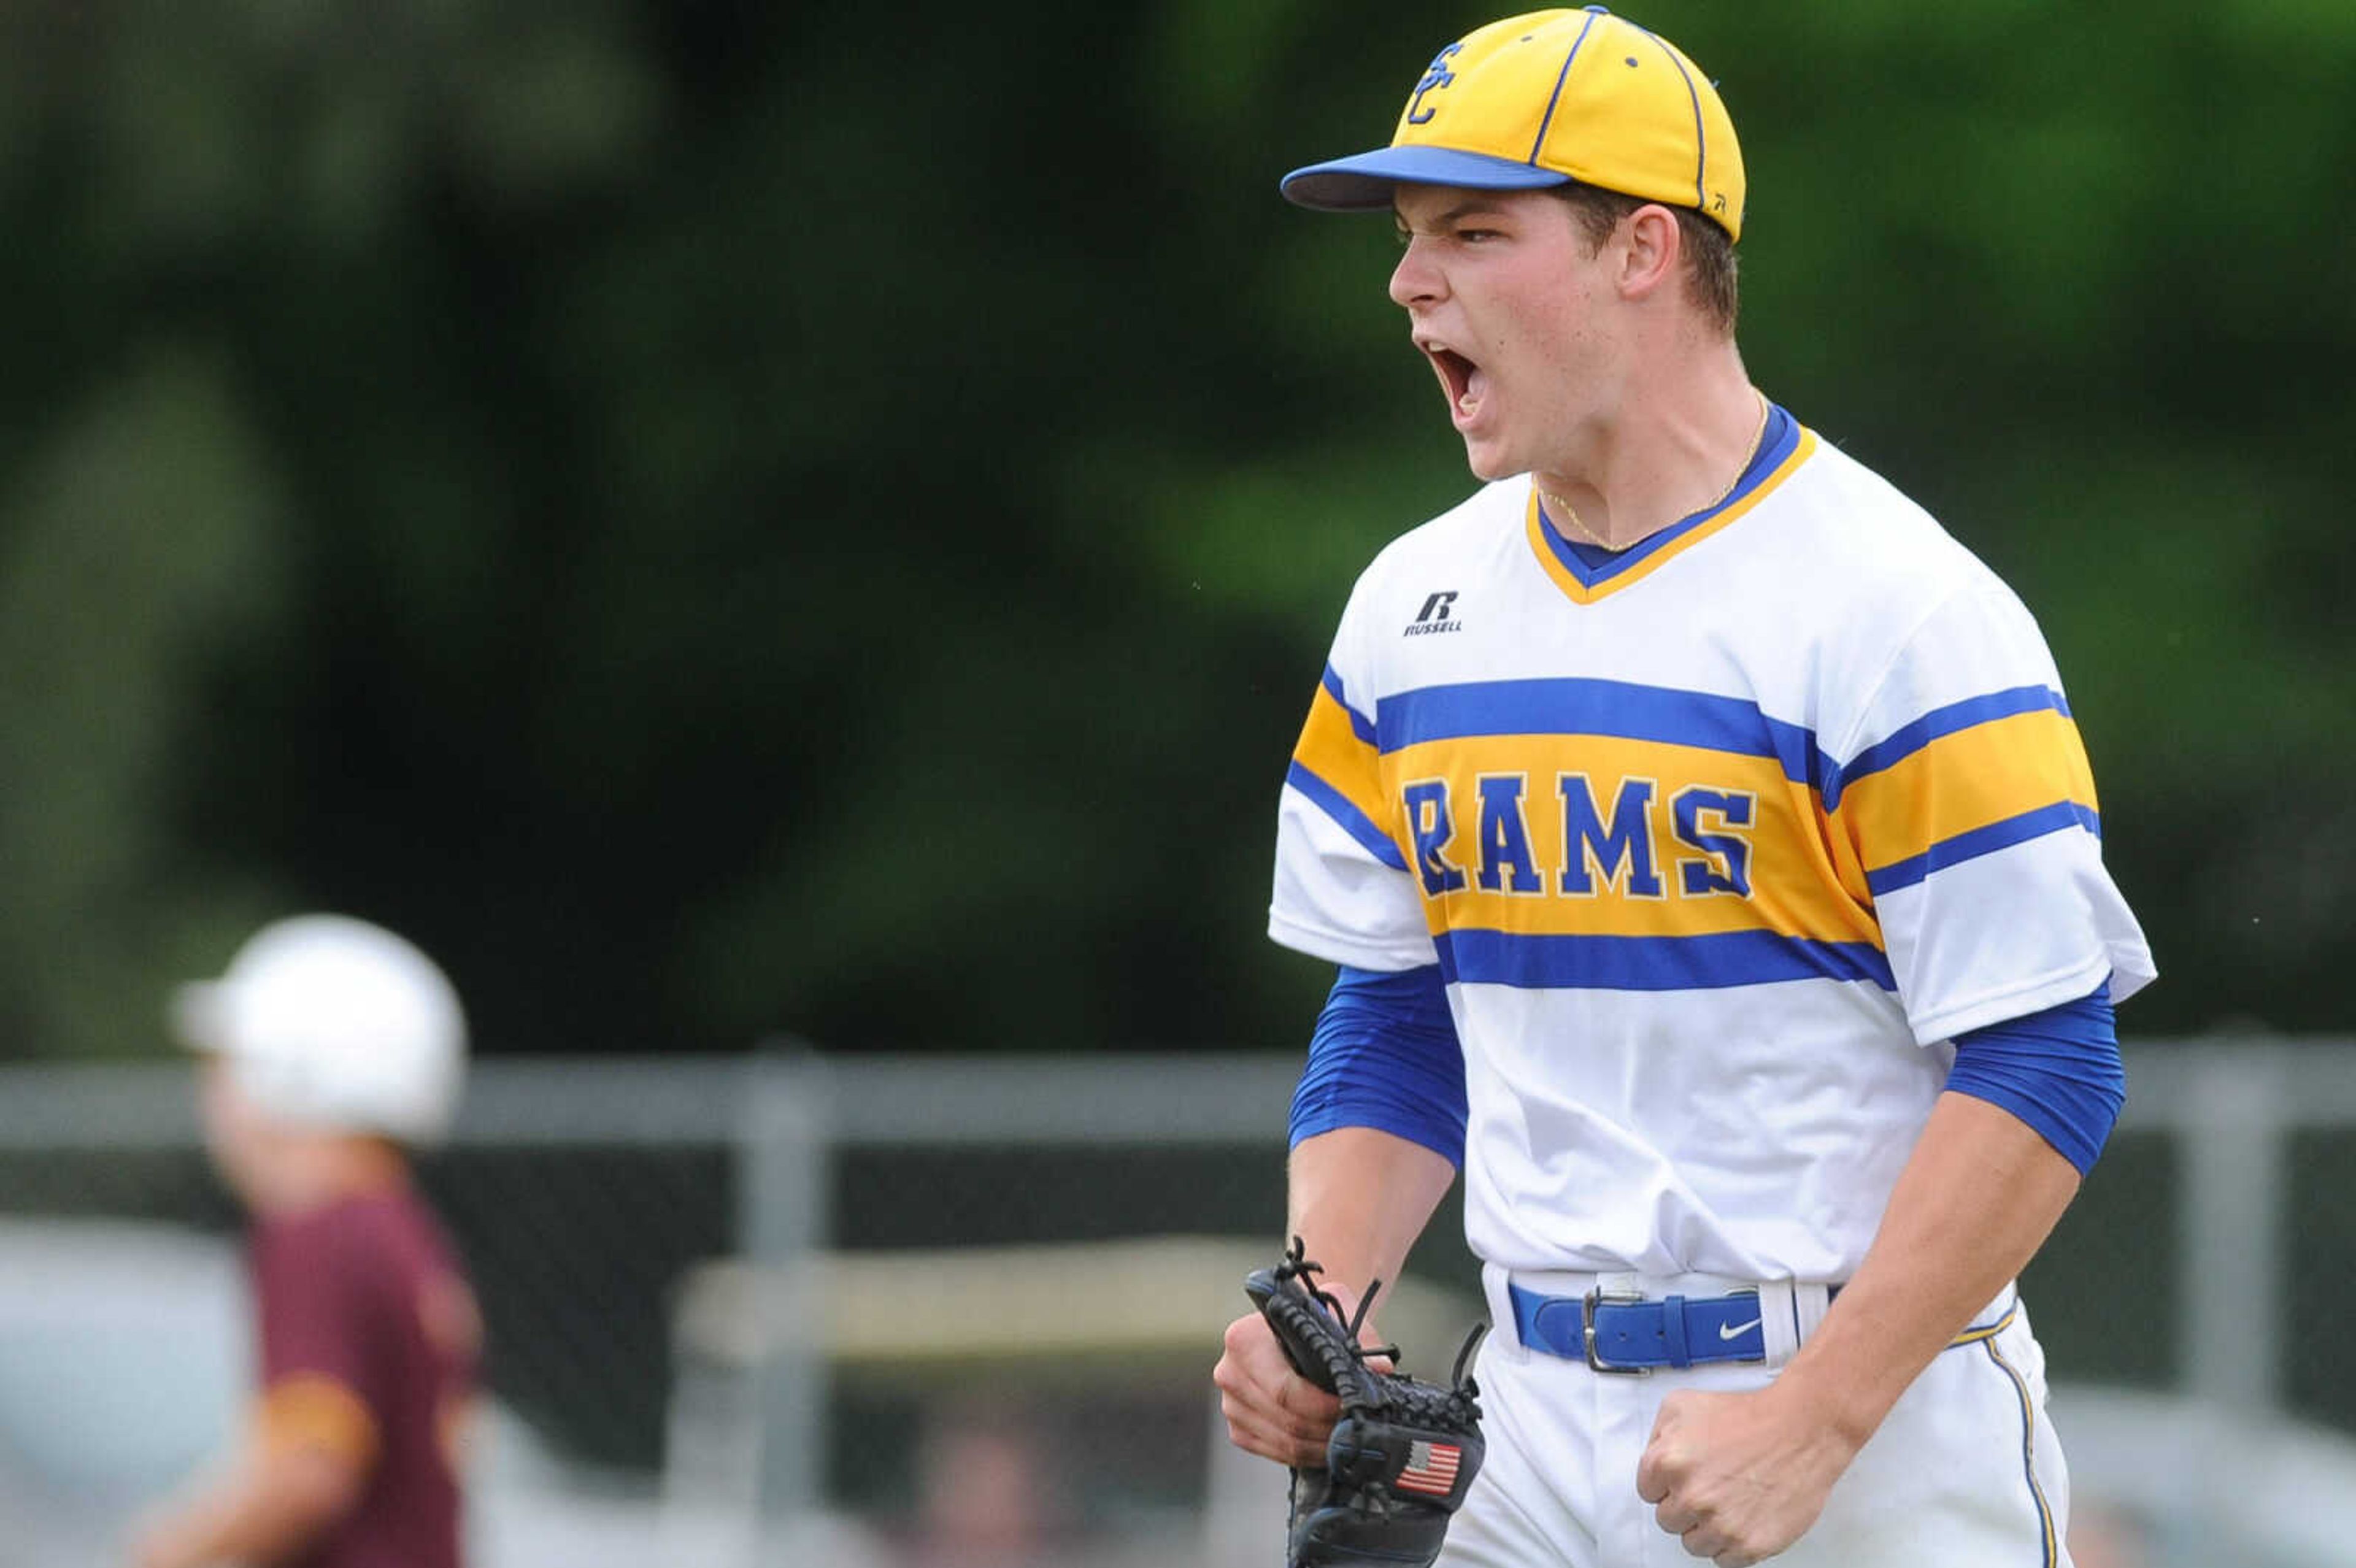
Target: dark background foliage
column 721, row 520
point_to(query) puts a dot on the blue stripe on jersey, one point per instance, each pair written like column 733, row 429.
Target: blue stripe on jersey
column 1350, row 820
column 1359, row 724
column 1987, row 840
column 1906, row 741
column 1775, row 444
column 1582, row 706
column 1721, row 959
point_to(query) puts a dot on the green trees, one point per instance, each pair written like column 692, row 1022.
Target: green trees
column 722, row 524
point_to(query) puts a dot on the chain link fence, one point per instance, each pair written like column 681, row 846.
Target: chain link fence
column 782, row 1284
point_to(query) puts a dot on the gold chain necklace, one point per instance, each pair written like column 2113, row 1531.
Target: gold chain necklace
column 1578, row 526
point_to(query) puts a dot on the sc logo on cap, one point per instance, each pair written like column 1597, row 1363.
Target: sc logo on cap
column 1434, row 78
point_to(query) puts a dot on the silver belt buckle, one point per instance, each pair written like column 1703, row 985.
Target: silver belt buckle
column 1587, row 1306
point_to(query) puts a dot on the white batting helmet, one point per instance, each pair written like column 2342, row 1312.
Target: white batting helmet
column 334, row 1022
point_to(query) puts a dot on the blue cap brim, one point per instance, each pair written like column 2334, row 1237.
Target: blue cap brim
column 1363, row 184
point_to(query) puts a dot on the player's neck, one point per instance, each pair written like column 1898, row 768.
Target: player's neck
column 1662, row 456
column 312, row 1171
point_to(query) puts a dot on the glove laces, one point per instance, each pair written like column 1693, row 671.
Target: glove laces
column 1298, row 1264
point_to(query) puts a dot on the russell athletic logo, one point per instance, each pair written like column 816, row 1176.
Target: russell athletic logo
column 1433, row 616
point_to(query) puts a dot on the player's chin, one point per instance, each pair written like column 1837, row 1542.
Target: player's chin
column 1490, row 461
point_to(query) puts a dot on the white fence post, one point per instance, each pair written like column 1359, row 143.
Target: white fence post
column 2231, row 1280
column 783, row 1224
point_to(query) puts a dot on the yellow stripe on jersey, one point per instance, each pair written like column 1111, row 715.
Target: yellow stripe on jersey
column 1575, row 832
column 1953, row 784
column 1606, row 835
column 1334, row 765
column 1331, row 748
column 1848, row 867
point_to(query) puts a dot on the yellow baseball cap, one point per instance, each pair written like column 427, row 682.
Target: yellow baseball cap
column 1541, row 100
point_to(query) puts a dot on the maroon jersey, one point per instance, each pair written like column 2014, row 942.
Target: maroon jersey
column 370, row 1339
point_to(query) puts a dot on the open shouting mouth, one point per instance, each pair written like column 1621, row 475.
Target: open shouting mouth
column 1463, row 381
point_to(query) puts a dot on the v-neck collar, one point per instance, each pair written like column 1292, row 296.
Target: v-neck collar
column 1784, row 445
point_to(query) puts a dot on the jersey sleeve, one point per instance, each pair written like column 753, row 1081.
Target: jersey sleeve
column 1342, row 889
column 317, row 1317
column 1963, row 798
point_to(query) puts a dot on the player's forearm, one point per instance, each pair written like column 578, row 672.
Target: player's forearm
column 267, row 1510
column 1359, row 1197
column 1977, row 1198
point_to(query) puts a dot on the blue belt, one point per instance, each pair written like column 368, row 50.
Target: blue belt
column 1627, row 1333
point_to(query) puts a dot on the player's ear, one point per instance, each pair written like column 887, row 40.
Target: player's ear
column 1651, row 248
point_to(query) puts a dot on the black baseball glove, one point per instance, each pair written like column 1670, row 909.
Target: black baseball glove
column 1403, row 1453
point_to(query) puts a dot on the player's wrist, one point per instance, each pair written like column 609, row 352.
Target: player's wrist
column 1824, row 1398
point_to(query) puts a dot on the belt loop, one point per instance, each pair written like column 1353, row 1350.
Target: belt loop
column 1497, row 1287
column 1790, row 1311
column 1810, row 1302
column 1672, row 1330
column 1779, row 1320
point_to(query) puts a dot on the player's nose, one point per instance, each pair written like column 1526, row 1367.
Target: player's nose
column 1417, row 279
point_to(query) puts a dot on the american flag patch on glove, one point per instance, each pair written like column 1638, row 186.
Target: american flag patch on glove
column 1431, row 1467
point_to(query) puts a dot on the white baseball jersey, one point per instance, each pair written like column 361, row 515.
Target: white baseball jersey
column 1716, row 847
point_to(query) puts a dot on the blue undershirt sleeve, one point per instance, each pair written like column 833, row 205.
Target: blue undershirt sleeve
column 2058, row 1070
column 1385, row 1055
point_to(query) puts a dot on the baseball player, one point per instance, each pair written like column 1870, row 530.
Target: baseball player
column 331, row 1045
column 1715, row 874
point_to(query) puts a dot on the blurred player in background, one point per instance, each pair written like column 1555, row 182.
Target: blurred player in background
column 1713, row 865
column 331, row 1047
